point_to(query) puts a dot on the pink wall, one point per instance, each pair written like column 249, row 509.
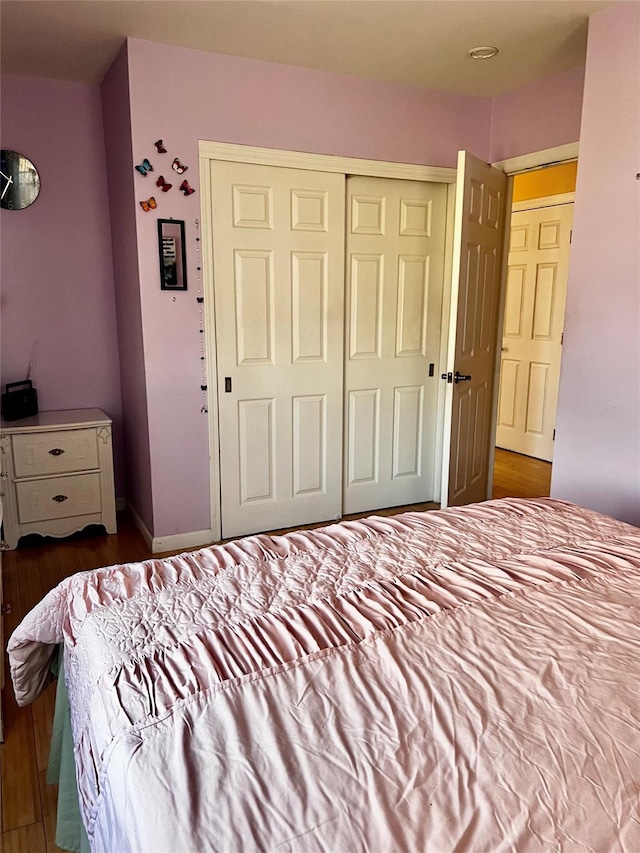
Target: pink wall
column 155, row 91
column 184, row 95
column 538, row 116
column 57, row 276
column 597, row 453
column 119, row 160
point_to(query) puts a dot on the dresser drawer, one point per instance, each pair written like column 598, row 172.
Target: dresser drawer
column 55, row 452
column 58, row 497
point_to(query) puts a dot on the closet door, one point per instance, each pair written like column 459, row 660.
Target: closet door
column 395, row 258
column 278, row 252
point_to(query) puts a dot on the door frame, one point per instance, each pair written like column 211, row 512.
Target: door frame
column 545, row 201
column 208, row 151
column 515, row 166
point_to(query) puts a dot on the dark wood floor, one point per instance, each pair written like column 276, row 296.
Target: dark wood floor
column 28, row 803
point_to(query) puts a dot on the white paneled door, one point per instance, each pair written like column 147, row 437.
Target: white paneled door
column 394, row 269
column 278, row 255
column 477, row 251
column 532, row 331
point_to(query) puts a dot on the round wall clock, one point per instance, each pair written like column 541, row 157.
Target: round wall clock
column 19, row 181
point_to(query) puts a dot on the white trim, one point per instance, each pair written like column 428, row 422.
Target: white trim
column 181, row 541
column 323, row 162
column 544, row 201
column 208, row 291
column 502, row 299
column 177, row 542
column 537, row 159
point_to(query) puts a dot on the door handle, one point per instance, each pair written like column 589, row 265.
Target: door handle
column 456, row 377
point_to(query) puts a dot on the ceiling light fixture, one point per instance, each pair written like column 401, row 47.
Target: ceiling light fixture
column 483, row 52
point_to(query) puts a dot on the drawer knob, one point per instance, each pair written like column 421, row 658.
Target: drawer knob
column 56, row 451
column 60, row 498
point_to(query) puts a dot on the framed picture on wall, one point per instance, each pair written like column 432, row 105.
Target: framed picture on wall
column 172, row 253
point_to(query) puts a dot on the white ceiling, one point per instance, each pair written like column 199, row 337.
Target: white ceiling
column 415, row 42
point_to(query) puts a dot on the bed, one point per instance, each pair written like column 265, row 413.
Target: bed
column 458, row 680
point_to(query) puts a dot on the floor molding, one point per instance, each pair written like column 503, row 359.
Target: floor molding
column 175, row 542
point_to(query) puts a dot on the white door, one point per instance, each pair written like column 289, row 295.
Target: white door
column 532, row 331
column 477, row 251
column 278, row 254
column 395, row 258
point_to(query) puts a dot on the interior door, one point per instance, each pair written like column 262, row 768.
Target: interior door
column 278, row 254
column 532, row 329
column 477, row 254
column 394, row 269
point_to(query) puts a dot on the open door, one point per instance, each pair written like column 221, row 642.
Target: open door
column 471, row 358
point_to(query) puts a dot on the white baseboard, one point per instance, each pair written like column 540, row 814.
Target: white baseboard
column 181, row 541
column 176, row 542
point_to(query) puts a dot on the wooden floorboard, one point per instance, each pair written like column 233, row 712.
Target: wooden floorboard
column 26, row 839
column 517, row 476
column 28, row 803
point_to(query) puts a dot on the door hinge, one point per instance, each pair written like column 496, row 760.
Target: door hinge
column 570, row 236
column 554, row 435
column 561, row 338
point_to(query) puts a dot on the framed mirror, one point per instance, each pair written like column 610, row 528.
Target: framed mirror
column 173, row 257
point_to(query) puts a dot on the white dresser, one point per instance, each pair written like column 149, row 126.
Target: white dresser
column 56, row 474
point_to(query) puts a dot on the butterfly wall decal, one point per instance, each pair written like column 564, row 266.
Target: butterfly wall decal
column 162, row 183
column 160, row 147
column 144, row 167
column 178, row 167
column 148, row 205
column 186, row 189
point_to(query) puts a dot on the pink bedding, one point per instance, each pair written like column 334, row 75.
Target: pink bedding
column 464, row 680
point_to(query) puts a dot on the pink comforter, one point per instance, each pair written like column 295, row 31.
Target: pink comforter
column 464, row 680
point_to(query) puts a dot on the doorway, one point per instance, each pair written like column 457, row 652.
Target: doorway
column 532, row 335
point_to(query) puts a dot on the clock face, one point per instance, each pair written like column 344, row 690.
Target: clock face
column 19, row 181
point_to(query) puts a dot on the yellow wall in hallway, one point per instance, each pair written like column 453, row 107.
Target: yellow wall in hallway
column 544, row 182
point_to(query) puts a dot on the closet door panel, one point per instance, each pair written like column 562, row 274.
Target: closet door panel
column 278, row 254
column 395, row 268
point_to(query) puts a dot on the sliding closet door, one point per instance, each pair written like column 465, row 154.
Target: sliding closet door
column 278, row 252
column 395, row 258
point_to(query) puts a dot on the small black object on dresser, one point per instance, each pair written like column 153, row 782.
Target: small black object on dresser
column 20, row 400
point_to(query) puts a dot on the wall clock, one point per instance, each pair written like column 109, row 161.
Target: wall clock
column 19, row 181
